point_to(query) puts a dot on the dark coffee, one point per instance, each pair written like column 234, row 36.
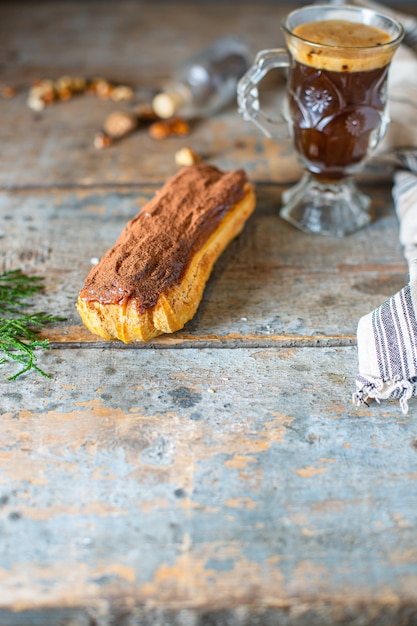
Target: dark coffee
column 336, row 117
column 337, row 92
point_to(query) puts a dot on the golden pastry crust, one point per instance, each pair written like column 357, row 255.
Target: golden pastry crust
column 126, row 320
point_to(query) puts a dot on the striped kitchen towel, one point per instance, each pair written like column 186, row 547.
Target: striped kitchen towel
column 387, row 337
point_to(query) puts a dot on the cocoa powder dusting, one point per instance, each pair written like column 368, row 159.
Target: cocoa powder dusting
column 156, row 247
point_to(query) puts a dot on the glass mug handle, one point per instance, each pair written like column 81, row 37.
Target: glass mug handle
column 248, row 95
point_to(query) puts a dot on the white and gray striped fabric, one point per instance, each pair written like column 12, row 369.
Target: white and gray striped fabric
column 387, row 337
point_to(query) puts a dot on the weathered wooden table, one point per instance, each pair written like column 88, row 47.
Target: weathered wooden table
column 220, row 475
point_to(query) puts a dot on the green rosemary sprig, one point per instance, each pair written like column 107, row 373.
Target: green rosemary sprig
column 20, row 328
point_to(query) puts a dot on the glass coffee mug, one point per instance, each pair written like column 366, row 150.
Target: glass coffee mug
column 335, row 109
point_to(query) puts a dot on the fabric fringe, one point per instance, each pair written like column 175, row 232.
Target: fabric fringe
column 377, row 389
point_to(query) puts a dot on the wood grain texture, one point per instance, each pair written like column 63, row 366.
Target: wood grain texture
column 151, row 40
column 272, row 284
column 205, row 480
column 60, row 140
column 219, row 476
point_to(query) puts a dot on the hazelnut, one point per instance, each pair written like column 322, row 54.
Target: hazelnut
column 92, row 84
column 121, row 93
column 186, row 156
column 103, row 88
column 120, row 123
column 78, row 84
column 64, row 93
column 63, row 82
column 35, row 103
column 67, row 86
column 175, row 126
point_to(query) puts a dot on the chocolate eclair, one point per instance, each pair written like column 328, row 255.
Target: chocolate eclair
column 152, row 280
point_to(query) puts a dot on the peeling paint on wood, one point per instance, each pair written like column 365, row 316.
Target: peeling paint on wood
column 221, row 475
column 160, row 492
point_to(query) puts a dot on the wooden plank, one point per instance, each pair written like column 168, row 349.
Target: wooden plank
column 131, row 40
column 203, row 481
column 139, row 41
column 231, row 481
column 273, row 285
column 55, row 146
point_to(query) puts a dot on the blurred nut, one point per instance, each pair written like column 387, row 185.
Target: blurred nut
column 92, row 84
column 103, row 88
column 67, row 86
column 35, row 103
column 186, row 156
column 120, row 123
column 101, row 140
column 49, row 96
column 40, row 94
column 43, row 86
column 45, row 91
column 121, row 93
column 64, row 93
column 175, row 126
column 63, row 82
column 78, row 84
column 8, row 91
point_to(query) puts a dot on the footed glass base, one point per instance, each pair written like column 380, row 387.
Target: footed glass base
column 333, row 209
